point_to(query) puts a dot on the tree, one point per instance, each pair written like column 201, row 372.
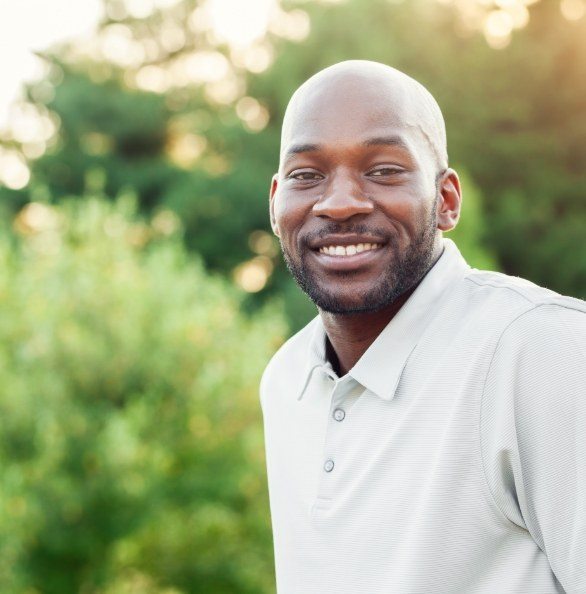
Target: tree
column 131, row 444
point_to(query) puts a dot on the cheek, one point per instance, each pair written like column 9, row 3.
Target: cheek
column 289, row 217
column 403, row 205
column 408, row 209
column 279, row 209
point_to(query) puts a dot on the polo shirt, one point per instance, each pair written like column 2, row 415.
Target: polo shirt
column 451, row 459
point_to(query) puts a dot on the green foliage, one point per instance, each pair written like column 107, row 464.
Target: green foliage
column 120, row 132
column 130, row 445
column 516, row 120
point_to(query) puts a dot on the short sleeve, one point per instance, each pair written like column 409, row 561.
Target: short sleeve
column 533, row 434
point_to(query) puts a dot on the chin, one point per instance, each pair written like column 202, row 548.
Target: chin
column 351, row 305
column 354, row 295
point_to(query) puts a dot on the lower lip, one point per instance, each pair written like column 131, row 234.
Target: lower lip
column 348, row 263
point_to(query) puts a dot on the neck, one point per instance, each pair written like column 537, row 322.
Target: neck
column 350, row 335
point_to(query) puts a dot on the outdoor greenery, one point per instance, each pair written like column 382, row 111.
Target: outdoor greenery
column 143, row 292
column 131, row 448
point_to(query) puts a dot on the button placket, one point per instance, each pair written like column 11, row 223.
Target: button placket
column 345, row 393
column 329, row 463
column 332, row 464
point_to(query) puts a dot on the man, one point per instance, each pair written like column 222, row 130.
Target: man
column 426, row 432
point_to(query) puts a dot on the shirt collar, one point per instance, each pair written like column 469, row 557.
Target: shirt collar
column 380, row 367
column 316, row 355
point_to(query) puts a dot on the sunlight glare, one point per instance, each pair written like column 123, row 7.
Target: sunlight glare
column 254, row 115
column 252, row 276
column 153, row 78
column 498, row 28
column 139, row 9
column 255, row 58
column 205, row 66
column 225, row 91
column 32, row 25
column 573, row 10
column 240, row 23
column 14, row 173
column 118, row 47
column 184, row 150
column 294, row 25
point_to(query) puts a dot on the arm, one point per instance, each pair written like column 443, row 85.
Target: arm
column 533, row 434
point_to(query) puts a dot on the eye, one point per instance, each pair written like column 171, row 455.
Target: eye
column 385, row 171
column 305, row 175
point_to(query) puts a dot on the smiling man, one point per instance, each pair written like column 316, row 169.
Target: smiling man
column 426, row 432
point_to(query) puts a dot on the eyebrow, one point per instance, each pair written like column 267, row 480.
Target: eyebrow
column 301, row 148
column 397, row 141
column 387, row 141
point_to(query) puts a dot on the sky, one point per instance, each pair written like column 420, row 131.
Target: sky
column 27, row 26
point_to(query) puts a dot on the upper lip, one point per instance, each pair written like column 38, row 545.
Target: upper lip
column 346, row 239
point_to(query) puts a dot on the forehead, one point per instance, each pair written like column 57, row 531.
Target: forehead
column 347, row 111
column 350, row 112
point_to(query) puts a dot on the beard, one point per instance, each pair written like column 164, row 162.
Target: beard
column 409, row 267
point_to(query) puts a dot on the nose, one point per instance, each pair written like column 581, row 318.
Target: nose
column 343, row 198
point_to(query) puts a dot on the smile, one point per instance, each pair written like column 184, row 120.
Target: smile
column 348, row 250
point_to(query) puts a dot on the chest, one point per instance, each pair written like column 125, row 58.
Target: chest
column 343, row 448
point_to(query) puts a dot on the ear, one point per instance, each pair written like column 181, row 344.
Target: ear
column 450, row 201
column 272, row 192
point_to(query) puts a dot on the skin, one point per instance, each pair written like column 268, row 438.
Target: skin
column 363, row 158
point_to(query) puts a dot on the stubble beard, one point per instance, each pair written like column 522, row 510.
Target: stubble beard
column 407, row 270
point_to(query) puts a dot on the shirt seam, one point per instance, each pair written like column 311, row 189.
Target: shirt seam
column 507, row 287
column 570, row 331
column 496, row 507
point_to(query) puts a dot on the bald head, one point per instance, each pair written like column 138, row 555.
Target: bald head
column 370, row 90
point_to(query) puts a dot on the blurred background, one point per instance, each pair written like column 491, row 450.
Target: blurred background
column 141, row 290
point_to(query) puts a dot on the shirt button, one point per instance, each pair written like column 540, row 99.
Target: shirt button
column 329, row 465
column 339, row 414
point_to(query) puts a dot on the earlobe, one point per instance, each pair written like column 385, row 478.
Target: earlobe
column 275, row 227
column 450, row 201
column 272, row 193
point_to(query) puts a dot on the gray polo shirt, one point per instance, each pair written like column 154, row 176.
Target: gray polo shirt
column 451, row 459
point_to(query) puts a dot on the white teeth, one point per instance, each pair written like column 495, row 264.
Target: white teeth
column 348, row 250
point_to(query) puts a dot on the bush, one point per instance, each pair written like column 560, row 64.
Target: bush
column 130, row 443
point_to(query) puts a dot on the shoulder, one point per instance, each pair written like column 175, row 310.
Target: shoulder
column 546, row 336
column 536, row 376
column 543, row 344
column 536, row 315
column 520, row 304
column 518, row 289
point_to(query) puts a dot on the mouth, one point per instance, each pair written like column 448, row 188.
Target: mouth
column 337, row 256
column 348, row 250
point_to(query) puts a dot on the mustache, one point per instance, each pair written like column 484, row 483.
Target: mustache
column 337, row 228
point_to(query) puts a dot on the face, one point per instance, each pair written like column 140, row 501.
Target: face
column 357, row 202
